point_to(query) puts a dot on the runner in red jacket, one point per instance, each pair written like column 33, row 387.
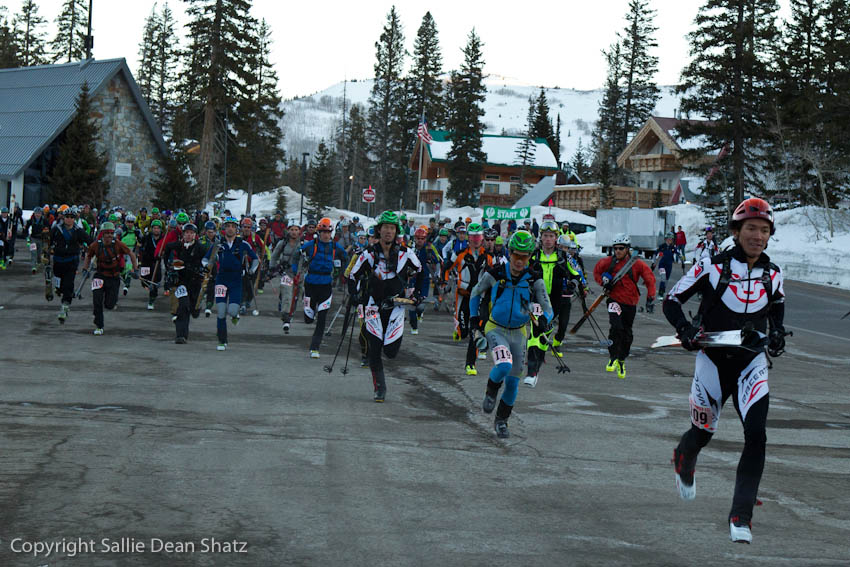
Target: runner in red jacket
column 622, row 300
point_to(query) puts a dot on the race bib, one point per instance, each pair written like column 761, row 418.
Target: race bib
column 615, row 308
column 662, row 272
column 33, row 246
column 145, row 271
column 221, row 291
column 359, row 311
column 536, row 309
column 286, row 280
column 181, row 292
column 306, row 303
column 502, row 354
column 337, row 263
column 57, row 282
column 702, row 417
column 96, row 283
column 371, row 312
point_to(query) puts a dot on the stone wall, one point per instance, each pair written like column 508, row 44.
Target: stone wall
column 126, row 138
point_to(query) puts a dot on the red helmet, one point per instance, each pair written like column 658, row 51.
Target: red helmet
column 421, row 232
column 247, row 222
column 752, row 208
column 324, row 224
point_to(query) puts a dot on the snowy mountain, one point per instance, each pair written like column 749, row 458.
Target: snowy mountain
column 310, row 119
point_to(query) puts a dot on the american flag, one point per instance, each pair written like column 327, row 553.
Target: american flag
column 422, row 132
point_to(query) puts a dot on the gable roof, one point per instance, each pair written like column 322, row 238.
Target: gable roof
column 37, row 104
column 500, row 150
column 666, row 130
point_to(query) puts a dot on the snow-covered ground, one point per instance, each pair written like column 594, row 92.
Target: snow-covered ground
column 308, row 120
column 802, row 246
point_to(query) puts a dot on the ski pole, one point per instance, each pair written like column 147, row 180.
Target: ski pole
column 345, row 322
column 348, row 353
column 330, row 326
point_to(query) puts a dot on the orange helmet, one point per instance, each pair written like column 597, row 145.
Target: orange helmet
column 247, row 222
column 63, row 208
column 421, row 231
column 468, row 220
column 324, row 224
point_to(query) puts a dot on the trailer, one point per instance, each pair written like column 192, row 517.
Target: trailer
column 646, row 228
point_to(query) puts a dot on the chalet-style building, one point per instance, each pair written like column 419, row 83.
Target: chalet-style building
column 500, row 176
column 655, row 156
column 37, row 105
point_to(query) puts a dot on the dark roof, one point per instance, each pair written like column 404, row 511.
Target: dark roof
column 37, row 104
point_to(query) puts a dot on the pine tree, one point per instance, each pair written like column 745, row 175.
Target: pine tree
column 8, row 42
column 640, row 93
column 355, row 163
column 425, row 76
column 387, row 110
column 72, row 27
column 466, row 96
column 526, row 148
column 542, row 126
column 32, row 45
column 214, row 81
column 147, row 50
column 174, row 188
column 728, row 81
column 166, row 56
column 259, row 155
column 79, row 175
column 607, row 132
column 557, row 148
column 321, row 188
column 579, row 163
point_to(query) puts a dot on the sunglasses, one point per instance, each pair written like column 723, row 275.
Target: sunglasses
column 490, row 239
column 618, row 247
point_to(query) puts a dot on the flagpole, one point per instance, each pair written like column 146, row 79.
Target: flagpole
column 421, row 153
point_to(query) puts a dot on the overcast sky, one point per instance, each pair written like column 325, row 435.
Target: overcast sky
column 318, row 43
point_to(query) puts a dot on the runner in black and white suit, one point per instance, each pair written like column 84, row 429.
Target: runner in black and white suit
column 741, row 290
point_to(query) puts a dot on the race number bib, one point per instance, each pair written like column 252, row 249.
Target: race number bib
column 359, row 311
column 96, row 283
column 702, row 417
column 144, row 271
column 536, row 309
column 181, row 292
column 371, row 312
column 502, row 354
column 615, row 308
column 337, row 263
column 221, row 291
column 57, row 282
column 33, row 246
column 662, row 272
column 306, row 303
column 286, row 280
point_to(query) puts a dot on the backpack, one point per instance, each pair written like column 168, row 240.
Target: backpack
column 709, row 300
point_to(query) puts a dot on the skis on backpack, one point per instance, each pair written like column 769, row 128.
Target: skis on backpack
column 605, row 293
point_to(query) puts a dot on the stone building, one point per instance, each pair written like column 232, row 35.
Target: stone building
column 37, row 105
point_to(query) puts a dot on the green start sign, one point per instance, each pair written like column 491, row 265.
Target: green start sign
column 500, row 213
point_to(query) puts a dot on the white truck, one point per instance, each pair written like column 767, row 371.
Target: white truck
column 645, row 227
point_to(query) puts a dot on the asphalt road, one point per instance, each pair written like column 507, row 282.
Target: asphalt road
column 131, row 436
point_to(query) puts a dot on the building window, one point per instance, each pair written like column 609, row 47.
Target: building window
column 515, row 178
column 491, row 188
column 491, row 177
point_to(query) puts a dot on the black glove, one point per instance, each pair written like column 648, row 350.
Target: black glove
column 687, row 333
column 475, row 322
column 776, row 342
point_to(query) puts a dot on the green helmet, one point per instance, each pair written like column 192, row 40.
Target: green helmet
column 388, row 217
column 549, row 226
column 156, row 222
column 113, row 218
column 107, row 226
column 182, row 217
column 154, row 211
column 499, row 240
column 474, row 228
column 444, row 232
column 522, row 241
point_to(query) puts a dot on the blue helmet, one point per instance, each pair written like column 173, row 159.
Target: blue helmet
column 371, row 231
column 209, row 225
column 232, row 220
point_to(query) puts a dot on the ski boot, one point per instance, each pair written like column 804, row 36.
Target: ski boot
column 364, row 362
column 471, row 371
column 150, row 305
column 611, row 366
column 255, row 312
column 490, row 395
column 63, row 313
column 740, row 531
column 414, row 331
column 180, row 340
column 314, row 354
column 500, row 424
column 621, row 369
column 685, row 481
column 530, row 380
column 286, row 328
column 221, row 346
column 98, row 331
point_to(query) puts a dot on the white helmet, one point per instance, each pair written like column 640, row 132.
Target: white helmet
column 131, row 217
column 564, row 240
column 621, row 238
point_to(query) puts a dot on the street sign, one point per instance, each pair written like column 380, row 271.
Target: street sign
column 368, row 195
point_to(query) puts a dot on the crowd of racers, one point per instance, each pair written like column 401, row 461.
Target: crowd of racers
column 510, row 292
